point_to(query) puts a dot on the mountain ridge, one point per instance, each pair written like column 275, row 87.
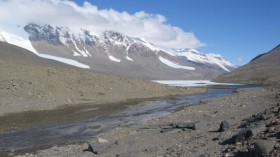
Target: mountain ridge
column 263, row 69
column 109, row 48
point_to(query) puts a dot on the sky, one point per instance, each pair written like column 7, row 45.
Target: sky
column 237, row 29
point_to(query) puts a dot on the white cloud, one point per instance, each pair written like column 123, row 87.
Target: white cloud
column 152, row 27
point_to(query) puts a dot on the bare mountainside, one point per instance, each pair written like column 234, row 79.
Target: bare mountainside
column 28, row 82
column 264, row 68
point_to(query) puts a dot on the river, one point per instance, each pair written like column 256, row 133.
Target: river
column 53, row 135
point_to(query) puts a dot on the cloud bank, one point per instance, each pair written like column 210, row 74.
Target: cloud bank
column 152, row 27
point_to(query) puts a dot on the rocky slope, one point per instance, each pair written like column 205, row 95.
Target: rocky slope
column 28, row 82
column 264, row 68
column 115, row 53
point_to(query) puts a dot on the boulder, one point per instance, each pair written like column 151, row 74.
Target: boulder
column 251, row 131
column 224, row 126
column 188, row 125
column 90, row 149
column 263, row 147
column 166, row 130
column 260, row 116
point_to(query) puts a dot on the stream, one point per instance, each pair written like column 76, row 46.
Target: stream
column 53, row 135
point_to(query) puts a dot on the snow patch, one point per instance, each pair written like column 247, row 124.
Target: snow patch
column 149, row 45
column 16, row 35
column 64, row 60
column 214, row 59
column 2, row 38
column 217, row 59
column 114, row 59
column 191, row 83
column 174, row 65
column 81, row 51
column 63, row 41
column 128, row 58
column 76, row 53
column 87, row 51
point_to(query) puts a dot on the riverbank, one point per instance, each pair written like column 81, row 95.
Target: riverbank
column 158, row 138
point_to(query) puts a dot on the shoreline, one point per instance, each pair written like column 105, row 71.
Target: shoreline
column 147, row 140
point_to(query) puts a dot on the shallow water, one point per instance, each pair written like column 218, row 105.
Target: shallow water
column 51, row 135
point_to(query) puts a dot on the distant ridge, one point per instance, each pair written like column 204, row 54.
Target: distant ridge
column 264, row 53
column 264, row 68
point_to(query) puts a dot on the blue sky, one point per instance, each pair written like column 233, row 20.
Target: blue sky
column 237, row 29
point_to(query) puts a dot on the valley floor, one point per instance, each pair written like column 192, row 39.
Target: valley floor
column 255, row 109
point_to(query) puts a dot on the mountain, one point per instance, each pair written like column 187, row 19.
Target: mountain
column 262, row 69
column 114, row 53
column 210, row 59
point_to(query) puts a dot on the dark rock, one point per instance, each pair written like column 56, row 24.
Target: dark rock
column 215, row 139
column 100, row 148
column 245, row 134
column 260, row 116
column 257, row 117
column 188, row 125
column 224, row 126
column 90, row 149
column 235, row 92
column 263, row 147
column 166, row 130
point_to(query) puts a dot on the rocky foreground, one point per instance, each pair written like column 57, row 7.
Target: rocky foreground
column 244, row 124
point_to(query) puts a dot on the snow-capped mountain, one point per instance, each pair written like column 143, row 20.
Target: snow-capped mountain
column 114, row 53
column 208, row 59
